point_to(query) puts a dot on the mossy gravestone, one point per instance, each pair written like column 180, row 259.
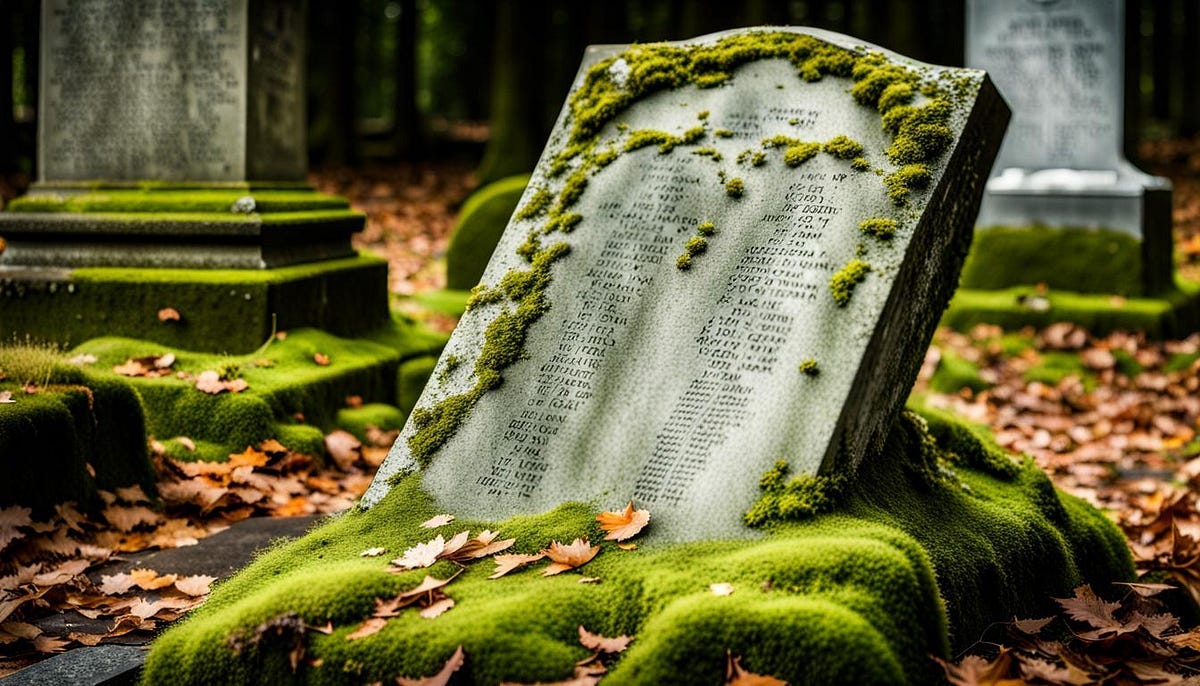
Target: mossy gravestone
column 732, row 252
column 1063, row 206
column 708, row 273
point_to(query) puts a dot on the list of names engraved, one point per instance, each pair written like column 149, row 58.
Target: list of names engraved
column 139, row 90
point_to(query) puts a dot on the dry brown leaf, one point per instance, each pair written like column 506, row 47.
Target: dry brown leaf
column 1087, row 607
column 437, row 520
column 50, row 644
column 344, row 448
column 589, row 579
column 602, row 644
column 195, row 586
column 6, row 397
column 442, row 678
column 367, row 628
column 507, row 563
column 565, row 557
column 721, row 589
column 422, row 554
column 437, row 608
column 372, row 552
column 627, row 546
column 168, row 314
column 20, row 630
column 12, row 518
column 128, row 517
column 116, row 584
column 149, row 579
column 62, row 573
column 321, row 359
column 623, row 525
column 736, row 675
column 1146, row 590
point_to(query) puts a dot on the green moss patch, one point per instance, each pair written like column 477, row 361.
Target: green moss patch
column 192, row 203
column 222, row 310
column 482, row 221
column 1171, row 315
column 1077, row 260
column 914, row 556
column 357, row 420
column 954, row 373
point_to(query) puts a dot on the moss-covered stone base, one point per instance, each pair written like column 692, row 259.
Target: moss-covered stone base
column 1174, row 314
column 220, row 310
column 49, row 439
column 933, row 539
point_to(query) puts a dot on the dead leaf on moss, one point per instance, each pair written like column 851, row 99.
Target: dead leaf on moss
column 627, row 546
column 589, row 579
column 151, row 366
column 372, row 552
column 6, row 398
column 437, row 520
column 623, row 525
column 187, row 443
column 721, row 589
column 602, row 644
column 437, row 608
column 566, row 557
column 210, row 382
column 422, row 554
column 369, row 627
column 736, row 675
column 442, row 678
column 507, row 563
column 321, row 359
column 169, row 314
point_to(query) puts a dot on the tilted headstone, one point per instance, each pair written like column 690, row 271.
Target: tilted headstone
column 723, row 259
column 1060, row 64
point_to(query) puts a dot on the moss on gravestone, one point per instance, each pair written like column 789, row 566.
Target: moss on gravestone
column 481, row 221
column 939, row 536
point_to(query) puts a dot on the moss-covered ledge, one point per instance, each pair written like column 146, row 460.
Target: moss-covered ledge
column 933, row 539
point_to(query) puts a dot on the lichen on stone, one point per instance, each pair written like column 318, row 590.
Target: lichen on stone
column 843, row 147
column 878, row 227
column 538, row 202
column 809, row 367
column 843, row 282
column 735, row 187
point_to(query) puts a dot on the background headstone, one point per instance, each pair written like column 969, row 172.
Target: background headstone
column 1060, row 64
column 681, row 387
column 196, row 91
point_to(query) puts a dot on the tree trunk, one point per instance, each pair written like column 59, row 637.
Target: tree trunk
column 1133, row 75
column 1162, row 57
column 407, row 133
column 9, row 20
column 517, row 93
column 1189, row 120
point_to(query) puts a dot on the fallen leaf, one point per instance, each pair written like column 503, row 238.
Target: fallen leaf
column 372, row 552
column 50, row 644
column 115, row 584
column 736, row 675
column 721, row 589
column 1031, row 627
column 565, row 557
column 442, row 678
column 344, row 448
column 627, row 546
column 168, row 314
column 186, row 443
column 321, row 359
column 1146, row 590
column 367, row 628
column 6, row 398
column 12, row 518
column 437, row 608
column 82, row 359
column 507, row 563
column 1087, row 607
column 623, row 525
column 62, row 573
column 602, row 644
column 20, row 630
column 196, row 586
column 149, row 579
column 436, row 521
column 589, row 579
column 422, row 554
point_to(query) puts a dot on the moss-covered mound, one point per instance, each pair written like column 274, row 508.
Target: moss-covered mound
column 65, row 441
column 1078, row 260
column 1170, row 315
column 913, row 556
column 482, row 220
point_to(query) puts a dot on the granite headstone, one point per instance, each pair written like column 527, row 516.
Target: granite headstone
column 168, row 90
column 731, row 296
column 1060, row 64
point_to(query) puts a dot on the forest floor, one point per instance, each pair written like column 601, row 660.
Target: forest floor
column 1112, row 419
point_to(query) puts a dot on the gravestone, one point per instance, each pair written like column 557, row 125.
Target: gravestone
column 733, row 251
column 1060, row 64
column 172, row 138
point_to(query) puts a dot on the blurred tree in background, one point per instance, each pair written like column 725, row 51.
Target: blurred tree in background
column 484, row 79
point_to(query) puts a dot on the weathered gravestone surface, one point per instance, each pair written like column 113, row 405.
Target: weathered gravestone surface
column 1060, row 64
column 172, row 137
column 702, row 280
column 185, row 91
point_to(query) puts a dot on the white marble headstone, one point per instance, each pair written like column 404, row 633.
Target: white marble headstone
column 680, row 388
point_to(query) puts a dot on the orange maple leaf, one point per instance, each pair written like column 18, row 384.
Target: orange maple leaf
column 736, row 675
column 507, row 563
column 602, row 644
column 623, row 525
column 564, row 557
